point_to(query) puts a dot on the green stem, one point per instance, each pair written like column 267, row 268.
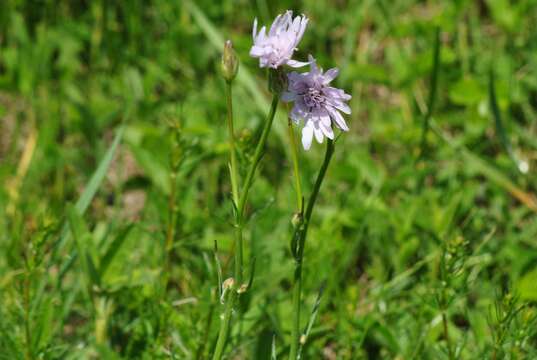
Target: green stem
column 27, row 327
column 301, row 232
column 233, row 169
column 294, row 153
column 172, row 207
column 171, row 218
column 230, row 301
column 224, row 325
column 232, row 149
column 432, row 92
column 257, row 155
column 446, row 335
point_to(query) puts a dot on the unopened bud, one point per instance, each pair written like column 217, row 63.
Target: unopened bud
column 277, row 81
column 230, row 62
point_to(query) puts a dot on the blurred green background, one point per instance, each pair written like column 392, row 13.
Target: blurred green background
column 427, row 248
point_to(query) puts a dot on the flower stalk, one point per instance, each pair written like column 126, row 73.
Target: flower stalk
column 294, row 155
column 175, row 161
column 297, row 247
column 240, row 205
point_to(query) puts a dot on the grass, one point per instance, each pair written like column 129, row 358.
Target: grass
column 113, row 140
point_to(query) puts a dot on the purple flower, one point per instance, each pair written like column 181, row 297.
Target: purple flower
column 276, row 48
column 317, row 103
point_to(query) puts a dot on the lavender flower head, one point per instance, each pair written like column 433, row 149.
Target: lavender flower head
column 317, row 103
column 276, row 48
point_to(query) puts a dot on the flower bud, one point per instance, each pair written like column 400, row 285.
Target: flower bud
column 230, row 62
column 277, row 81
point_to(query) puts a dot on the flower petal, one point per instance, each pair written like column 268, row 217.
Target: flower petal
column 313, row 65
column 307, row 137
column 338, row 119
column 296, row 64
column 330, row 75
column 327, row 131
column 257, row 51
column 318, row 134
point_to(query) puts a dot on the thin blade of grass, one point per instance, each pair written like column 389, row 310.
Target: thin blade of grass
column 218, row 269
column 521, row 165
column 85, row 199
column 311, row 321
column 273, row 355
column 82, row 238
column 112, row 250
column 93, row 185
column 432, row 91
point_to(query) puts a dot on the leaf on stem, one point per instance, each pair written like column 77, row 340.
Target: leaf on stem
column 311, row 321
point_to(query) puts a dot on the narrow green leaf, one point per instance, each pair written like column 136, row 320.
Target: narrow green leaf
column 218, row 269
column 273, row 355
column 92, row 186
column 82, row 240
column 521, row 165
column 85, row 199
column 432, row 91
column 311, row 321
column 112, row 250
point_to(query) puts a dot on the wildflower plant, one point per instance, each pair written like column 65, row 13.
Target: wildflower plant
column 318, row 105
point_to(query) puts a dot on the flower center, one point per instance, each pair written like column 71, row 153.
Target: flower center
column 313, row 98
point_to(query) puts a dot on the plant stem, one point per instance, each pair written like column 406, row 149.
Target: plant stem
column 232, row 297
column 224, row 325
column 170, row 231
column 28, row 354
column 294, row 153
column 172, row 207
column 446, row 335
column 432, row 92
column 301, row 232
column 259, row 150
column 232, row 150
column 233, row 170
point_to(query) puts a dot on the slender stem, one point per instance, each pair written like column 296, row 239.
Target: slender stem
column 27, row 327
column 172, row 207
column 232, row 297
column 257, row 155
column 233, row 169
column 232, row 149
column 445, row 321
column 301, row 232
column 295, row 331
column 294, row 153
column 224, row 325
column 446, row 335
column 432, row 92
column 171, row 217
column 238, row 252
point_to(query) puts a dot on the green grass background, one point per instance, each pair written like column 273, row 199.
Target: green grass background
column 398, row 236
